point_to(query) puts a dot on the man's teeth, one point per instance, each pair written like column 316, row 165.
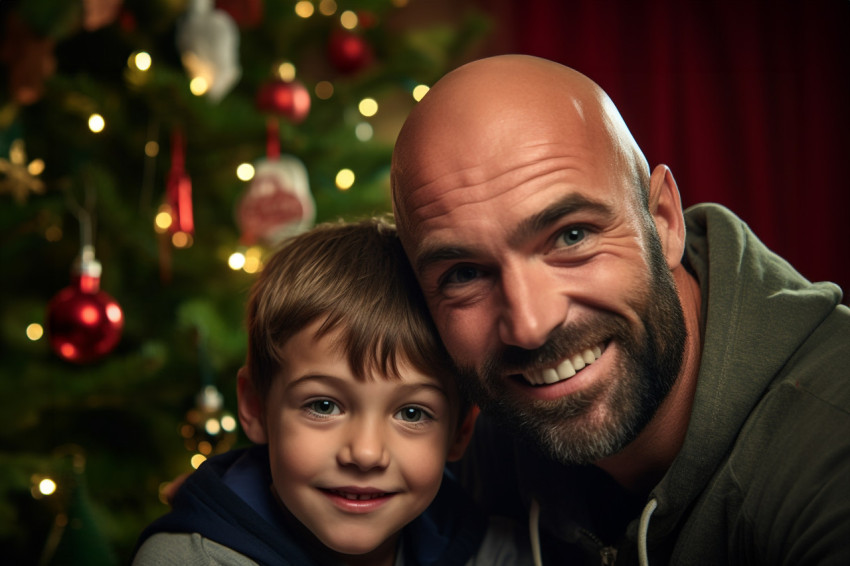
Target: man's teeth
column 565, row 369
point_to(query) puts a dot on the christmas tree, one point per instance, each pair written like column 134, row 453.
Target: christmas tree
column 151, row 153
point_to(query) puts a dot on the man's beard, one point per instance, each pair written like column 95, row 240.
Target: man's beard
column 602, row 419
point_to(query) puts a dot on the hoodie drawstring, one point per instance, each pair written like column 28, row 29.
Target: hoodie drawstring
column 643, row 531
column 534, row 532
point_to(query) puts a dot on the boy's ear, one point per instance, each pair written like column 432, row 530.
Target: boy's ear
column 463, row 435
column 665, row 205
column 251, row 414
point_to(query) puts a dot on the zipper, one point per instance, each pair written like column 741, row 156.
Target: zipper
column 608, row 554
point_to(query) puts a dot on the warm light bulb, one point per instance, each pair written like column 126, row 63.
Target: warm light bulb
column 151, row 149
column 228, row 423
column 162, row 221
column 236, row 261
column 419, row 91
column 47, row 486
column 327, row 7
column 96, row 123
column 36, row 167
column 324, row 90
column 304, row 9
column 364, row 131
column 197, row 460
column 142, row 60
column 286, row 71
column 181, row 240
column 368, row 107
column 348, row 19
column 212, row 427
column 199, row 86
column 35, row 331
column 344, row 179
column 245, row 171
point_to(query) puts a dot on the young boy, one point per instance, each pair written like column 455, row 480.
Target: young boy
column 350, row 399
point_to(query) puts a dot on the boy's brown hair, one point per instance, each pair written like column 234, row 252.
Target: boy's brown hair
column 357, row 278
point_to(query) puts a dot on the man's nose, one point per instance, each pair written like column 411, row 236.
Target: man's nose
column 365, row 445
column 532, row 308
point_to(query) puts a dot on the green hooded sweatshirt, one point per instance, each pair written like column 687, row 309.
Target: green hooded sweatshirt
column 763, row 476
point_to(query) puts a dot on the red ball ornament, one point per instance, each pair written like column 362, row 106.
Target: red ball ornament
column 84, row 323
column 349, row 52
column 289, row 99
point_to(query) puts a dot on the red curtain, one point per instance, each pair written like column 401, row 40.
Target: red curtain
column 746, row 101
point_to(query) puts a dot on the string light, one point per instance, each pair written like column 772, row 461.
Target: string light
column 344, row 179
column 35, row 331
column 368, row 107
column 304, row 9
column 324, row 90
column 327, row 7
column 163, row 219
column 152, row 149
column 140, row 60
column 199, row 86
column 196, row 460
column 182, row 240
column 236, row 261
column 36, row 167
column 245, row 172
column 419, row 91
column 286, row 71
column 47, row 486
column 253, row 264
column 96, row 123
column 364, row 131
column 349, row 19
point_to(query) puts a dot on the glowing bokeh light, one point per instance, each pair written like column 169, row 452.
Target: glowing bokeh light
column 349, row 19
column 304, row 9
column 368, row 107
column 345, row 179
column 324, row 90
column 245, row 172
column 419, row 91
column 47, row 486
column 236, row 261
column 364, row 131
column 142, row 60
column 35, row 331
column 199, row 86
column 96, row 123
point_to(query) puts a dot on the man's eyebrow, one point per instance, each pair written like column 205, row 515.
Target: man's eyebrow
column 552, row 214
column 534, row 224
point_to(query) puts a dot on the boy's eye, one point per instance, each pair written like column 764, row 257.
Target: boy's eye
column 573, row 236
column 412, row 414
column 324, row 407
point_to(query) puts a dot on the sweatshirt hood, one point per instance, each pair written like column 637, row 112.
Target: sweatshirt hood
column 750, row 296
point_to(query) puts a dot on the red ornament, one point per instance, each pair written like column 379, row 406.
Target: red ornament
column 178, row 190
column 289, row 99
column 83, row 322
column 349, row 52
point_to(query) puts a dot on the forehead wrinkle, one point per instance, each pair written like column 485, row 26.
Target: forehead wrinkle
column 479, row 185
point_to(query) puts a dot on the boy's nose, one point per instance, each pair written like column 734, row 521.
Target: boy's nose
column 365, row 446
column 532, row 306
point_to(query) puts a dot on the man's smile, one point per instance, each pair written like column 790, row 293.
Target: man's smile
column 566, row 368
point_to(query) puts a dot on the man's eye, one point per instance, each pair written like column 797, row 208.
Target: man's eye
column 572, row 236
column 461, row 274
column 324, row 407
column 412, row 415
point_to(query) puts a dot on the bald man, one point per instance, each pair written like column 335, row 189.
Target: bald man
column 663, row 387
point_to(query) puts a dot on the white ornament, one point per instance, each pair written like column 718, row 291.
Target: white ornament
column 208, row 41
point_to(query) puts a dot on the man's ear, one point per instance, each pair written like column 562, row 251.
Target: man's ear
column 251, row 414
column 463, row 435
column 665, row 206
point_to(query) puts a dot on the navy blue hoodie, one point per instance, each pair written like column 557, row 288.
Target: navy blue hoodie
column 229, row 500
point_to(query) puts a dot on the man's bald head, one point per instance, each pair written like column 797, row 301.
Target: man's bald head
column 486, row 109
